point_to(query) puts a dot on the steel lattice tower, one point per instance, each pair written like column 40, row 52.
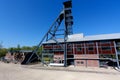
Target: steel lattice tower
column 53, row 32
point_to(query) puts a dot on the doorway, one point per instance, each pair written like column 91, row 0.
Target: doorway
column 70, row 59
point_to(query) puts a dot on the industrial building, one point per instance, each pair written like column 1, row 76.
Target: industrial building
column 63, row 48
column 87, row 51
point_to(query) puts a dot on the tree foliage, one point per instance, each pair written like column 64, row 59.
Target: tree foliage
column 3, row 51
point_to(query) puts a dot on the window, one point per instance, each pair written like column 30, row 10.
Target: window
column 118, row 43
column 118, row 48
column 69, row 50
column 90, row 48
column 104, row 42
column 90, row 42
column 80, row 62
column 58, row 49
column 79, row 49
column 107, row 56
column 106, row 48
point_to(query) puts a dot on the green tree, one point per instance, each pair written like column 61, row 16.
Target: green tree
column 39, row 51
column 26, row 48
column 3, row 51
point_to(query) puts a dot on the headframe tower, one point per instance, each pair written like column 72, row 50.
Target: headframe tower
column 55, row 31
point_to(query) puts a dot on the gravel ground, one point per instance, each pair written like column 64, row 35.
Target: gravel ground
column 17, row 72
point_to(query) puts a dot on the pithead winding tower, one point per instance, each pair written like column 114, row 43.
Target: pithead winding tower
column 56, row 31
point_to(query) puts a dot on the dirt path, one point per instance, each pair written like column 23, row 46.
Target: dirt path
column 18, row 72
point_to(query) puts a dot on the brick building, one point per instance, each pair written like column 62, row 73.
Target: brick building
column 88, row 51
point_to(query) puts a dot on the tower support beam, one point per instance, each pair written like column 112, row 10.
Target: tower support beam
column 53, row 31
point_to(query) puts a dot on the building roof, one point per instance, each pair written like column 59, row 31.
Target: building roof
column 25, row 51
column 81, row 37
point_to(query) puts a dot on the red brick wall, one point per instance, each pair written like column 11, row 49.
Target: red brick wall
column 85, row 48
column 109, row 44
column 80, row 63
column 58, row 58
column 87, row 63
column 93, row 63
column 88, row 56
column 80, row 54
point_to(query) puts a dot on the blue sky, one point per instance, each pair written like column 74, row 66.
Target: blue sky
column 25, row 22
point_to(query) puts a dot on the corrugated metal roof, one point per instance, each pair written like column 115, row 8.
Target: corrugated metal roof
column 80, row 37
column 97, row 37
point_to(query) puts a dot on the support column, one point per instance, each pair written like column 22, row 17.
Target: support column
column 68, row 22
column 74, row 52
column 97, row 52
column 85, row 54
column 65, row 54
column 117, row 59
